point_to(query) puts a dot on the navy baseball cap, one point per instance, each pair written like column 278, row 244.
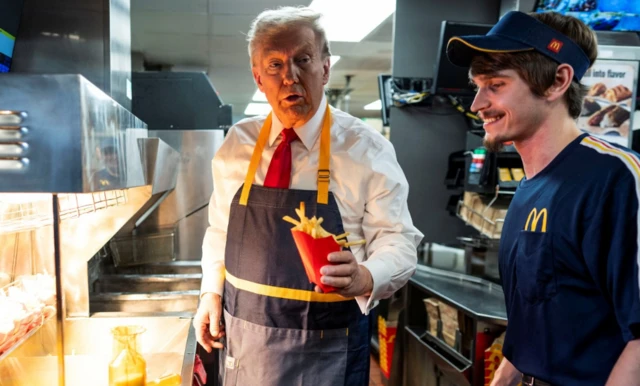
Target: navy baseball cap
column 519, row 32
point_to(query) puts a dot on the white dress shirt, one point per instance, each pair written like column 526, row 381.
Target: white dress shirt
column 367, row 181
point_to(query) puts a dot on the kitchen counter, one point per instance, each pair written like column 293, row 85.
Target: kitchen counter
column 479, row 298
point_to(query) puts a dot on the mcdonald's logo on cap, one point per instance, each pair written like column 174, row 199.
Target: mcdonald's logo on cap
column 555, row 45
column 536, row 216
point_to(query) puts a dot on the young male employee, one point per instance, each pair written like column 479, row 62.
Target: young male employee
column 569, row 251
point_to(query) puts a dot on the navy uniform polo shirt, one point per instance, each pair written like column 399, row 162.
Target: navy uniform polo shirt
column 569, row 264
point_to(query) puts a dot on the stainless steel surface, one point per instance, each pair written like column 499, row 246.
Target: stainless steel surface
column 194, row 183
column 10, row 126
column 70, row 133
column 162, row 165
column 82, row 235
column 161, row 173
column 419, row 366
column 447, row 363
column 186, row 206
column 191, row 232
column 189, row 360
column 13, row 165
column 148, row 283
column 159, row 302
column 10, row 118
column 167, row 345
column 91, row 38
column 151, row 209
column 480, row 298
column 13, row 150
column 12, row 133
column 61, row 309
column 139, row 249
column 77, row 138
column 156, row 287
column 175, row 267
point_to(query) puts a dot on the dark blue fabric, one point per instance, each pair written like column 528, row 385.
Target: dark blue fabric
column 572, row 291
column 260, row 249
column 359, row 352
column 519, row 31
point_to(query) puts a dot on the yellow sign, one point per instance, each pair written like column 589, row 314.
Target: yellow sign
column 535, row 216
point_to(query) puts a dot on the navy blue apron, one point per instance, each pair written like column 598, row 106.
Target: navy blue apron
column 279, row 331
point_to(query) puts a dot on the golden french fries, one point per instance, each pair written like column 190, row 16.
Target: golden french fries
column 312, row 227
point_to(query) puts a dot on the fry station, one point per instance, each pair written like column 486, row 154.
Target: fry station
column 99, row 224
column 120, row 232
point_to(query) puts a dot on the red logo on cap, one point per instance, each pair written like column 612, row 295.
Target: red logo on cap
column 555, row 45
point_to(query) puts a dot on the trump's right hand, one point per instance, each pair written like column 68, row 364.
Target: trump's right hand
column 207, row 322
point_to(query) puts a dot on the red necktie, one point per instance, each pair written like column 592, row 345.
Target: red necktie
column 279, row 173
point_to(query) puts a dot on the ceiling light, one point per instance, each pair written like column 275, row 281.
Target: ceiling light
column 353, row 20
column 259, row 96
column 257, row 109
column 377, row 105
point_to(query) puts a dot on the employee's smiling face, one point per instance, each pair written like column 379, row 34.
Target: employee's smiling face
column 290, row 70
column 508, row 107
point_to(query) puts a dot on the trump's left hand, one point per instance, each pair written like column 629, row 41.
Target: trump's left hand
column 345, row 274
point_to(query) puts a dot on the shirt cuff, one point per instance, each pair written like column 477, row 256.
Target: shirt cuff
column 381, row 280
column 212, row 282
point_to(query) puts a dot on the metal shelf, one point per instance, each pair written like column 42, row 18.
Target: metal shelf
column 39, row 319
column 442, row 351
column 24, row 212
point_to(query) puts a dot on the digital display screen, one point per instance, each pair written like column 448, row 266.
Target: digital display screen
column 448, row 78
column 7, row 42
column 599, row 15
column 10, row 12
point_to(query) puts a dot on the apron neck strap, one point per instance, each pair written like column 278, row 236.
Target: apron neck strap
column 324, row 174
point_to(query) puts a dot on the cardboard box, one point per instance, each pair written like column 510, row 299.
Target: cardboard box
column 439, row 311
column 488, row 220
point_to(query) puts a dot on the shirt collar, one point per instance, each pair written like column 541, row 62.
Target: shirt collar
column 308, row 133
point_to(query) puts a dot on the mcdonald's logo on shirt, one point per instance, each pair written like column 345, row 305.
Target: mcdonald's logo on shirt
column 534, row 219
column 555, row 45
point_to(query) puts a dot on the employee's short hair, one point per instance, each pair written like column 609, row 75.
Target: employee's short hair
column 539, row 71
column 271, row 22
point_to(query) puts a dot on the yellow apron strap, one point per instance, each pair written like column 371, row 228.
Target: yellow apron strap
column 255, row 160
column 324, row 175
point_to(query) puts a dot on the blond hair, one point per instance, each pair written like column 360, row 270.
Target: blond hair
column 273, row 21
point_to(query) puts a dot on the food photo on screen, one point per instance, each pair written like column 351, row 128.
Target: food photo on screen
column 600, row 15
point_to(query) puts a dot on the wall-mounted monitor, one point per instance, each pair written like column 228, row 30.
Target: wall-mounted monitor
column 10, row 12
column 449, row 79
column 600, row 15
column 385, row 90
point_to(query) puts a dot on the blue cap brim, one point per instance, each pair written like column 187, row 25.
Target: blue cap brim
column 518, row 32
column 462, row 50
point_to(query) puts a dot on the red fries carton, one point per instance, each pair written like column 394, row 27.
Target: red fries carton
column 315, row 255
